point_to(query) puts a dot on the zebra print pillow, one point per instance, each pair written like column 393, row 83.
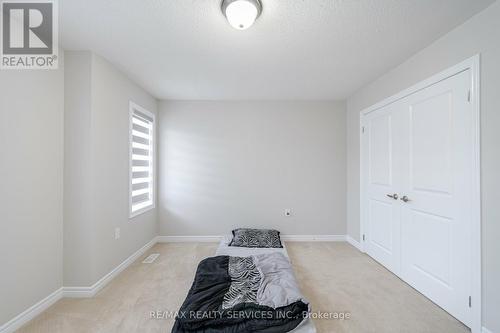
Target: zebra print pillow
column 256, row 238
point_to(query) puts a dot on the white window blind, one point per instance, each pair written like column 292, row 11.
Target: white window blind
column 141, row 196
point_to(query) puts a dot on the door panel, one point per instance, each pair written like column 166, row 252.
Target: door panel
column 430, row 139
column 435, row 247
column 381, row 225
column 383, row 212
column 421, row 147
column 431, row 237
column 381, row 150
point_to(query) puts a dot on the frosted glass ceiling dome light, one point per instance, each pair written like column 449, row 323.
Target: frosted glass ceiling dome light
column 241, row 14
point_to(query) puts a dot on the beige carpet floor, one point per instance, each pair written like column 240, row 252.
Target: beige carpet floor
column 335, row 277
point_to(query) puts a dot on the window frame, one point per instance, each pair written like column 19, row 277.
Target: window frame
column 135, row 107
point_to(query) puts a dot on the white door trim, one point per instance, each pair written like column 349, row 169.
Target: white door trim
column 472, row 64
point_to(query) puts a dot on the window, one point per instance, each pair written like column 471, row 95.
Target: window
column 141, row 184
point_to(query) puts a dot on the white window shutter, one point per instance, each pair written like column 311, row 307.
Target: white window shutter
column 142, row 136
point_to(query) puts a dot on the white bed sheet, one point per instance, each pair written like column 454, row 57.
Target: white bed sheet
column 307, row 326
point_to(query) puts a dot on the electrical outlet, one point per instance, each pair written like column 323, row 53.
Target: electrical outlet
column 117, row 233
column 288, row 212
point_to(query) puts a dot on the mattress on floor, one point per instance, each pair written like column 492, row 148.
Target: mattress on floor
column 307, row 326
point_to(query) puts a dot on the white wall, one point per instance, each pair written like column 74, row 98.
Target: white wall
column 111, row 93
column 481, row 34
column 31, row 187
column 230, row 164
column 97, row 170
column 77, row 176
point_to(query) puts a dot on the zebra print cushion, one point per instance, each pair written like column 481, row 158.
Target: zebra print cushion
column 245, row 282
column 256, row 238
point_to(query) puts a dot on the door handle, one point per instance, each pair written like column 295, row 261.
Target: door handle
column 393, row 196
column 405, row 198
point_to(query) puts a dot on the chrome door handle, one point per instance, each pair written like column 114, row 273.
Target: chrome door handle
column 393, row 196
column 405, row 198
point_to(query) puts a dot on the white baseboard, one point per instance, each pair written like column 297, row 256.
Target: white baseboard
column 313, row 238
column 485, row 330
column 353, row 242
column 81, row 292
column 286, row 238
column 78, row 292
column 188, row 239
column 30, row 313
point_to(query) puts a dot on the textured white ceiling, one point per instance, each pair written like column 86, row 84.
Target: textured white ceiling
column 297, row 49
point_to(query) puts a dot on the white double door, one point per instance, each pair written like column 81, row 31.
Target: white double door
column 418, row 188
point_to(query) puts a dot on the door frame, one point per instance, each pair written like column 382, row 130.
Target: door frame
column 472, row 64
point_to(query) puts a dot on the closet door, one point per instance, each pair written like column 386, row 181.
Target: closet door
column 382, row 172
column 438, row 185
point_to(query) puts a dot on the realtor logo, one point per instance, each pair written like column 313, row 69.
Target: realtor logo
column 29, row 35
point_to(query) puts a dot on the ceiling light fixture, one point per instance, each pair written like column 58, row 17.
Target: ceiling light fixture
column 241, row 14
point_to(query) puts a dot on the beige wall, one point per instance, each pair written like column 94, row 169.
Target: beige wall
column 481, row 34
column 31, row 187
column 228, row 164
column 97, row 170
